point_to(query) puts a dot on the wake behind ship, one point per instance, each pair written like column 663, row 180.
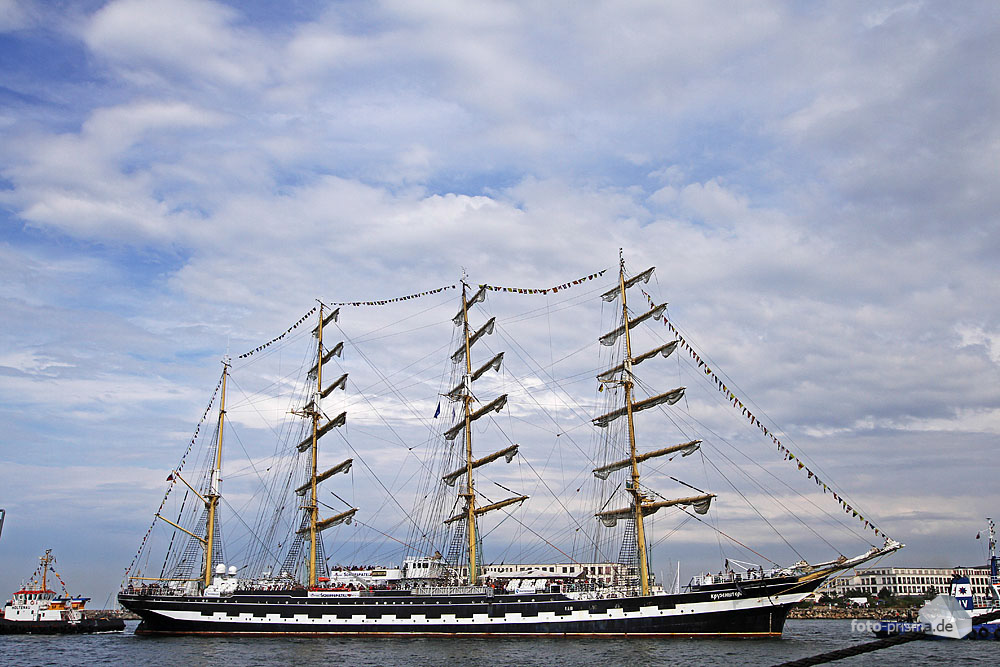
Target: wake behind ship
column 456, row 594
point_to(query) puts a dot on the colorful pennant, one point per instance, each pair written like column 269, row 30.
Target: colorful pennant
column 383, row 302
column 171, row 479
column 529, row 290
column 737, row 403
column 275, row 340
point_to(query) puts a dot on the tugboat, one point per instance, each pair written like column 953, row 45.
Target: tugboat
column 985, row 624
column 35, row 609
column 961, row 589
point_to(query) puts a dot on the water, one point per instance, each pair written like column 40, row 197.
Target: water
column 802, row 638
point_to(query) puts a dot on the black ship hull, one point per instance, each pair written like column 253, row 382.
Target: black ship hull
column 83, row 626
column 727, row 610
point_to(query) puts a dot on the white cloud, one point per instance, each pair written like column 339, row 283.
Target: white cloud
column 149, row 42
column 975, row 335
column 15, row 15
column 881, row 15
column 115, row 196
column 32, row 362
column 713, row 203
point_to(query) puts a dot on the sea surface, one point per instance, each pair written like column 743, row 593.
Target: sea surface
column 802, row 638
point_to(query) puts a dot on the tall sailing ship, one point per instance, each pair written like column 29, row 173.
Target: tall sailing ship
column 286, row 584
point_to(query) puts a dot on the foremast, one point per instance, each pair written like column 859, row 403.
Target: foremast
column 637, row 498
column 313, row 411
column 463, row 393
column 641, row 505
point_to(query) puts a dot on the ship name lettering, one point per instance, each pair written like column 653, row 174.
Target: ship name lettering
column 727, row 594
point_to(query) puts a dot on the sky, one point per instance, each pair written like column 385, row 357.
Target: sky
column 815, row 183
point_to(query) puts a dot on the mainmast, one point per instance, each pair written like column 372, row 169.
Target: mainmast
column 641, row 506
column 470, row 489
column 463, row 392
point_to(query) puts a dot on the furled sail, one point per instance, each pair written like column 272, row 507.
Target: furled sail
column 337, row 421
column 669, row 397
column 493, row 406
column 509, row 452
column 493, row 363
column 610, row 337
column 337, row 519
column 686, row 449
column 344, row 467
column 488, row 508
column 462, row 390
column 337, row 350
column 332, row 317
column 612, row 294
column 478, row 297
column 484, row 330
column 700, row 504
column 665, row 350
column 341, row 383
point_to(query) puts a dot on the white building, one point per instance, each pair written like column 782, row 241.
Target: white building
column 910, row 581
column 606, row 573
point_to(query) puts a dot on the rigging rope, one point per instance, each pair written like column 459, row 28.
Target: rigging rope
column 172, row 481
column 564, row 286
column 824, row 515
column 736, row 402
column 277, row 338
column 383, row 302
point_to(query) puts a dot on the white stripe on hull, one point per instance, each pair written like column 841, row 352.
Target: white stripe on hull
column 388, row 620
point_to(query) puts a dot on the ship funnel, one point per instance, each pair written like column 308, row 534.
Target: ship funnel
column 961, row 590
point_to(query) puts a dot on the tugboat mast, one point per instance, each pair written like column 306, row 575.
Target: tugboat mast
column 46, row 559
column 994, row 575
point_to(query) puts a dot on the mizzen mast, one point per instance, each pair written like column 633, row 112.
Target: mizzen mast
column 313, row 410
column 470, row 492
